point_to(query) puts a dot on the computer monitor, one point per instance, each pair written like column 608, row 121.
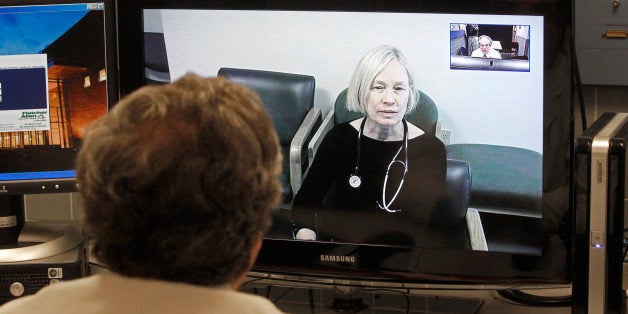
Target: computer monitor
column 57, row 74
column 507, row 116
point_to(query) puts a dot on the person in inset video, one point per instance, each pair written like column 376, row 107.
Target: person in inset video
column 486, row 50
column 377, row 172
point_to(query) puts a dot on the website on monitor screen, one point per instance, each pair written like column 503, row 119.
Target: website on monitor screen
column 53, row 83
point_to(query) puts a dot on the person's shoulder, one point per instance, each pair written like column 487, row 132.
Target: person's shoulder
column 107, row 293
column 250, row 303
column 60, row 295
column 343, row 129
column 428, row 139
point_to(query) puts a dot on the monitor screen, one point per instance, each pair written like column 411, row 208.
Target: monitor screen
column 498, row 74
column 57, row 75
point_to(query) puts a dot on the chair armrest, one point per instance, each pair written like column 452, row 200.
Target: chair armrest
column 316, row 140
column 476, row 231
column 311, row 121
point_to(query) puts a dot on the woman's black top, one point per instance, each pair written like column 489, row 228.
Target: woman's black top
column 327, row 203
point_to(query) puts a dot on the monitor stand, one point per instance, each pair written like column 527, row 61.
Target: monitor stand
column 347, row 297
column 22, row 241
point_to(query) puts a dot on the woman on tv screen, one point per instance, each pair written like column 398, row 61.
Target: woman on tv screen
column 379, row 169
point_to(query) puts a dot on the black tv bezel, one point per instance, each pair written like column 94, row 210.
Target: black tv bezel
column 296, row 258
column 68, row 184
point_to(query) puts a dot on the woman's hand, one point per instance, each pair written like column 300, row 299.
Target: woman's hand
column 306, row 234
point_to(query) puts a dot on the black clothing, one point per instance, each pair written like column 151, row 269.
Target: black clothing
column 356, row 215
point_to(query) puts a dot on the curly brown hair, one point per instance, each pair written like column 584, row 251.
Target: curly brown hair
column 179, row 180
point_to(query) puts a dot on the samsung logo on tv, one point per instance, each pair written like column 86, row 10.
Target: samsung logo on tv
column 338, row 258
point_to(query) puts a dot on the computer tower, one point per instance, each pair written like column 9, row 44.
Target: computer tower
column 46, row 253
column 598, row 224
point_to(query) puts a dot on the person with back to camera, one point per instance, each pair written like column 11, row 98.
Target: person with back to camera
column 379, row 164
column 486, row 50
column 178, row 184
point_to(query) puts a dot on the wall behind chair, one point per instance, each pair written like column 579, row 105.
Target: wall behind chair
column 476, row 105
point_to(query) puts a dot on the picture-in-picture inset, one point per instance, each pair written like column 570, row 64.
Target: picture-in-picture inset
column 490, row 47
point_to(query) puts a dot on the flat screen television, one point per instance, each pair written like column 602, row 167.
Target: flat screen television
column 508, row 117
column 57, row 74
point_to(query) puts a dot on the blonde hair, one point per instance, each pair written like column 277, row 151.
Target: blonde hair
column 368, row 68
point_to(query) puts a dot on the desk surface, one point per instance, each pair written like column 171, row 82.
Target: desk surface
column 293, row 298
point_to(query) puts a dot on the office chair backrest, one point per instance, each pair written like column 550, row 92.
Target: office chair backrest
column 424, row 116
column 288, row 97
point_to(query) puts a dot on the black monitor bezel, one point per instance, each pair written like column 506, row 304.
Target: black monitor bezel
column 295, row 258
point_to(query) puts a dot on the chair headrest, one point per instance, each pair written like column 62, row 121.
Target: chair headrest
column 424, row 116
column 287, row 96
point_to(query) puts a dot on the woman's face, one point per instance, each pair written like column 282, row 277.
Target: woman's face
column 387, row 99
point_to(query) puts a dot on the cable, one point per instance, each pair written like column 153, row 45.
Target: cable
column 536, row 300
column 310, row 293
column 583, row 115
column 288, row 290
column 407, row 298
column 255, row 279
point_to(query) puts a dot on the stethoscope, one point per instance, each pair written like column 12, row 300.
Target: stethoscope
column 355, row 181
